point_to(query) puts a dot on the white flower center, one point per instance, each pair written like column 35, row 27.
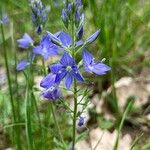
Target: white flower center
column 51, row 89
column 44, row 50
column 69, row 68
column 59, row 71
column 90, row 67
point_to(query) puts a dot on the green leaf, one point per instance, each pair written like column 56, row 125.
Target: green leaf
column 82, row 136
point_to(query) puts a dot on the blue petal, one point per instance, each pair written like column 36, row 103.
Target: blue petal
column 22, row 65
column 39, row 29
column 56, row 68
column 69, row 7
column 79, row 43
column 81, row 121
column 60, row 76
column 28, row 38
column 37, row 50
column 79, row 3
column 25, row 41
column 54, row 38
column 4, row 19
column 76, row 74
column 80, row 32
column 40, row 51
column 93, row 37
column 67, row 60
column 48, row 81
column 65, row 38
column 100, row 68
column 64, row 15
column 46, row 48
column 52, row 95
column 69, row 80
column 87, row 69
column 87, row 57
column 77, row 16
column 57, row 33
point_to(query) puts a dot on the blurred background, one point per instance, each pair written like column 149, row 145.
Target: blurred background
column 124, row 43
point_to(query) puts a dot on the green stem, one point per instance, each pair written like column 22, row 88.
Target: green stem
column 8, row 74
column 28, row 115
column 10, row 90
column 56, row 123
column 38, row 117
column 75, row 85
column 128, row 108
column 44, row 68
column 29, row 105
column 74, row 115
column 53, row 111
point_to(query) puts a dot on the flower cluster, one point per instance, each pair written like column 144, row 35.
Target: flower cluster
column 74, row 13
column 68, row 68
column 39, row 14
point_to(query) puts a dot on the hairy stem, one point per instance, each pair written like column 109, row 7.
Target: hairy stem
column 74, row 86
column 74, row 115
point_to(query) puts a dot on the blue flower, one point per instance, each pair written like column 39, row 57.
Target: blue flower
column 52, row 91
column 46, row 48
column 81, row 121
column 48, row 81
column 22, row 65
column 67, row 69
column 52, row 95
column 93, row 66
column 25, row 42
column 4, row 19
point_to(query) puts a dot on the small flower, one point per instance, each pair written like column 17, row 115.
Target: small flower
column 52, row 91
column 91, row 65
column 52, row 95
column 22, row 65
column 48, row 81
column 93, row 37
column 67, row 69
column 25, row 42
column 46, row 48
column 81, row 121
column 4, row 19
